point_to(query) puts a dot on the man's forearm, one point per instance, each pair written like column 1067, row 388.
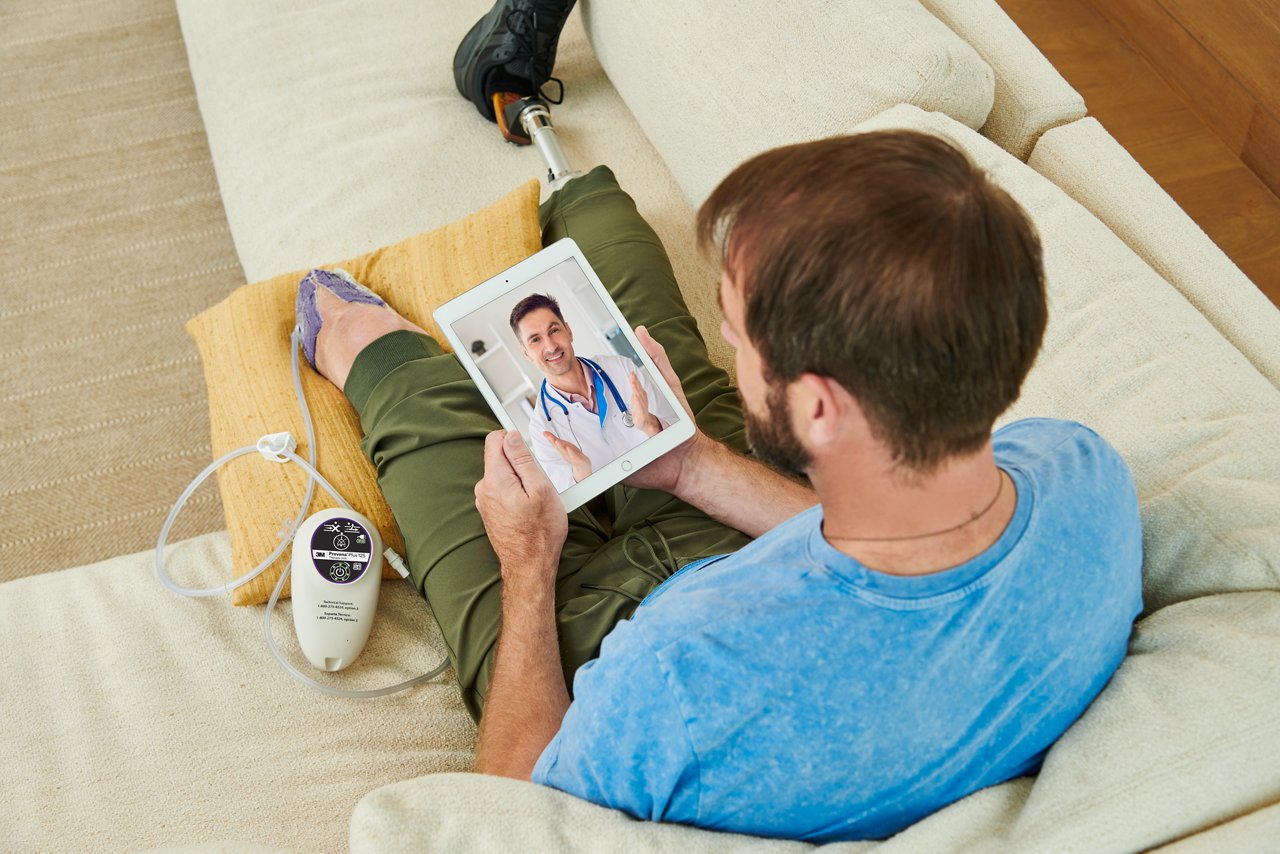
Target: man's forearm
column 739, row 491
column 527, row 695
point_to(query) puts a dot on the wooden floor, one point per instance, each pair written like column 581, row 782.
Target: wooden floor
column 1150, row 119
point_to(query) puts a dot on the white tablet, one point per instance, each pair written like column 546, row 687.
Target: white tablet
column 556, row 360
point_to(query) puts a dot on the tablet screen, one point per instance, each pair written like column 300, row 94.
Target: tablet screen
column 565, row 372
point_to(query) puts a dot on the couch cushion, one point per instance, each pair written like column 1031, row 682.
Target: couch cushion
column 464, row 813
column 1095, row 170
column 1254, row 831
column 1031, row 96
column 714, row 83
column 149, row 719
column 245, row 346
column 338, row 130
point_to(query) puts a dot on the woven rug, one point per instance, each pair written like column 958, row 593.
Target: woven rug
column 112, row 234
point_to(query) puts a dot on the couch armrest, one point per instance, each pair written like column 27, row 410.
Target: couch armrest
column 1090, row 166
column 1031, row 96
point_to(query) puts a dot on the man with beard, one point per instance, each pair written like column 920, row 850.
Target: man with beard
column 746, row 653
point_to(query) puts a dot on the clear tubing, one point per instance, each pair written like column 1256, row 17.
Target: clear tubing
column 199, row 592
column 331, row 689
column 313, row 478
column 275, row 597
column 285, row 540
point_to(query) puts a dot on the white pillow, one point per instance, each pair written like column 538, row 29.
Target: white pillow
column 715, row 83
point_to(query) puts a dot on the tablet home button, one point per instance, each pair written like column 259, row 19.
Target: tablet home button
column 626, row 465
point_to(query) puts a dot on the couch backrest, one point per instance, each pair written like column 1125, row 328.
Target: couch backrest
column 712, row 84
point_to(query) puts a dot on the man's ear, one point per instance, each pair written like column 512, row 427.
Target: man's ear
column 822, row 404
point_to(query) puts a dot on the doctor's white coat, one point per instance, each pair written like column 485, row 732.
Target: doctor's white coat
column 601, row 443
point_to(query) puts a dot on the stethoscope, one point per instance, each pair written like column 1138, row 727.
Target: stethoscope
column 600, row 379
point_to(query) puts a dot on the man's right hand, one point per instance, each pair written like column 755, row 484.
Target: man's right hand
column 572, row 455
column 521, row 511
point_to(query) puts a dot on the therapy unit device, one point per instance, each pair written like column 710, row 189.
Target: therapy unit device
column 336, row 564
column 337, row 572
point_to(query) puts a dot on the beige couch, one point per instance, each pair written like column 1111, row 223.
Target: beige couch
column 141, row 719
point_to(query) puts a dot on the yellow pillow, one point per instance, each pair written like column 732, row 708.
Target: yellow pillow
column 244, row 344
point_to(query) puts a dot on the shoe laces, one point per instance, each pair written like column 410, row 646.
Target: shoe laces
column 525, row 25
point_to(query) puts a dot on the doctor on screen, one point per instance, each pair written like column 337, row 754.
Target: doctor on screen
column 588, row 411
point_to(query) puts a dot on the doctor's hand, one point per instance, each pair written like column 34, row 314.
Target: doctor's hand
column 664, row 472
column 645, row 420
column 521, row 510
column 571, row 454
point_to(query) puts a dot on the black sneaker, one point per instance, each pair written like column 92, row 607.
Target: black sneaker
column 510, row 50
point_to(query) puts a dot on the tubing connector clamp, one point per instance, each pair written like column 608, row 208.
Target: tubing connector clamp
column 276, row 447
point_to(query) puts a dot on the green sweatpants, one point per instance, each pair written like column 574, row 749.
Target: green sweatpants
column 424, row 423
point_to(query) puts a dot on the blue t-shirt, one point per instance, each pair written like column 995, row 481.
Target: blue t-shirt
column 786, row 690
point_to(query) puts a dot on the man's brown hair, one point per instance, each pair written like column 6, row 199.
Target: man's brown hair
column 530, row 304
column 890, row 263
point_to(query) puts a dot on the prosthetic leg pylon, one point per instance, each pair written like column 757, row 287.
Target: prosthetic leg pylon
column 527, row 121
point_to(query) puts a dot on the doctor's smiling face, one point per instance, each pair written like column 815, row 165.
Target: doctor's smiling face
column 547, row 342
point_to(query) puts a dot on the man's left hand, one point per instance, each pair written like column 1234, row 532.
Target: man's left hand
column 521, row 510
column 664, row 472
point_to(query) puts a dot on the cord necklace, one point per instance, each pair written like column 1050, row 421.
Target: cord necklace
column 975, row 517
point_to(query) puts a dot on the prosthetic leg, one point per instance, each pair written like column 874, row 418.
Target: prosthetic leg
column 527, row 121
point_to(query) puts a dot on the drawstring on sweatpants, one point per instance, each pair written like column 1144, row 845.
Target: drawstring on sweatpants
column 645, row 566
